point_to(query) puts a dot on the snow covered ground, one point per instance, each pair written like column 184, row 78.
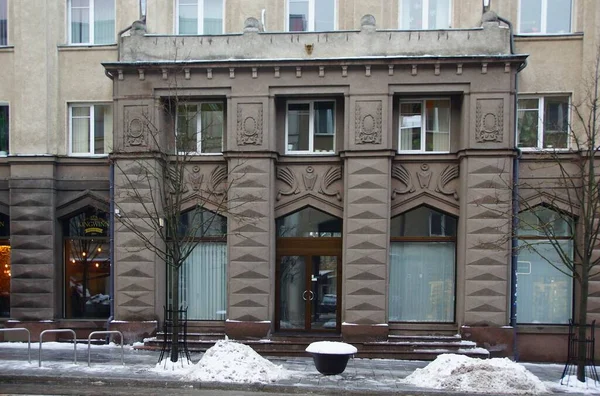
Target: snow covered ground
column 232, row 362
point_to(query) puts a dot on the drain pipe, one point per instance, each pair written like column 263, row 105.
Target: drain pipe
column 111, row 241
column 515, row 201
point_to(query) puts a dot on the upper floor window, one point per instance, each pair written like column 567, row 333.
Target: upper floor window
column 91, row 21
column 424, row 126
column 543, row 122
column 200, row 127
column 424, row 14
column 545, row 16
column 4, row 128
column 3, row 22
column 310, row 127
column 311, row 15
column 91, row 128
column 199, row 16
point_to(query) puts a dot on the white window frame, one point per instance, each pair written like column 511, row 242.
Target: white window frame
column 311, row 16
column 7, row 26
column 199, row 126
column 422, row 101
column 91, row 18
column 200, row 18
column 544, row 21
column 540, row 132
column 424, row 16
column 92, row 126
column 311, row 127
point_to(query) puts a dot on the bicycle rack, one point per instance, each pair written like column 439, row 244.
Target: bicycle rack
column 59, row 331
column 106, row 332
column 28, row 339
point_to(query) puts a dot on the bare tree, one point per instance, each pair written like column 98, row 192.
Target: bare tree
column 175, row 202
column 567, row 180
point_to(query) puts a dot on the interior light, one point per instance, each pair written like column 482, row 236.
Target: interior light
column 97, row 265
column 99, row 249
column 84, row 254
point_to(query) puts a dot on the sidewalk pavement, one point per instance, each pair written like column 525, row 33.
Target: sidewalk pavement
column 361, row 377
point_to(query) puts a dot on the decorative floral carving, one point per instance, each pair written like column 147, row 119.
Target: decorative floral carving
column 368, row 126
column 450, row 173
column 218, row 176
column 489, row 120
column 286, row 175
column 424, row 176
column 195, row 178
column 400, row 173
column 309, row 178
column 249, row 124
column 333, row 174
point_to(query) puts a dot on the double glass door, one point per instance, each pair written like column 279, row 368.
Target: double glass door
column 308, row 287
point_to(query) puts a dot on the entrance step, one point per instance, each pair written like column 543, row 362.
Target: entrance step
column 426, row 347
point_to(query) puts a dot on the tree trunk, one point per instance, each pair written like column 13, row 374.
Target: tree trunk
column 581, row 333
column 175, row 312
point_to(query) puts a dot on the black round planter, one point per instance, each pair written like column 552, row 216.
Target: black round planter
column 330, row 364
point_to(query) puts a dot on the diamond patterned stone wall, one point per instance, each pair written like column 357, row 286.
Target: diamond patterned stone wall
column 250, row 239
column 487, row 256
column 136, row 267
column 366, row 240
column 32, row 214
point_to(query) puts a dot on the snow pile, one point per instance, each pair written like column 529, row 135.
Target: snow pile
column 462, row 373
column 181, row 366
column 331, row 348
column 229, row 361
column 570, row 383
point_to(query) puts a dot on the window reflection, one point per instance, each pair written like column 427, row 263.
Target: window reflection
column 309, row 222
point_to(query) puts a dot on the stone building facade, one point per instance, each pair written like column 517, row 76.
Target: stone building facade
column 395, row 142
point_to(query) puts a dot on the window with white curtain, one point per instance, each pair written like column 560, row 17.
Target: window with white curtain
column 422, row 267
column 424, row 14
column 200, row 17
column 200, row 127
column 203, row 276
column 91, row 22
column 90, row 129
column 545, row 16
column 310, row 15
column 3, row 22
column 424, row 126
column 544, row 290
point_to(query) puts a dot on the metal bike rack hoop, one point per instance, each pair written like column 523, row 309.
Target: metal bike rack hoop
column 106, row 332
column 59, row 331
column 28, row 338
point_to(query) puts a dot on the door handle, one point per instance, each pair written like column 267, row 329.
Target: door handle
column 304, row 295
column 312, row 295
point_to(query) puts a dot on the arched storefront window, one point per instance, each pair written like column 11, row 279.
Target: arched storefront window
column 87, row 265
column 422, row 266
column 203, row 276
column 545, row 294
column 5, row 270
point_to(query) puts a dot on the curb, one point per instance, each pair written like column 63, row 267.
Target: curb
column 94, row 381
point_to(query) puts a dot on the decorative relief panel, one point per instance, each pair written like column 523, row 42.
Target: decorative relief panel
column 201, row 181
column 249, row 124
column 489, row 120
column 367, row 122
column 303, row 179
column 424, row 176
column 135, row 126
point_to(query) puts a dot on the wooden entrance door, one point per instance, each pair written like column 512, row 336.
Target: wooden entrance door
column 308, row 288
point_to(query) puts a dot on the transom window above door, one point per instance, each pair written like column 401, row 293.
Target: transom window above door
column 424, row 126
column 90, row 129
column 200, row 127
column 545, row 16
column 424, row 14
column 310, row 15
column 310, row 127
column 91, row 22
column 200, row 17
